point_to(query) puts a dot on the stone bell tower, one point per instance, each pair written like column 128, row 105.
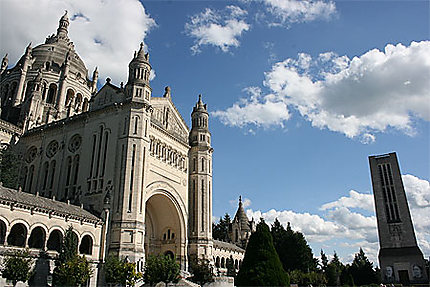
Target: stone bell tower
column 400, row 258
column 128, row 226
column 200, row 184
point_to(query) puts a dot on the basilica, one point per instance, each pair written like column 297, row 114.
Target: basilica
column 118, row 164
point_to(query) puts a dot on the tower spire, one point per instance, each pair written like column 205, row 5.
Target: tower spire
column 4, row 64
column 63, row 26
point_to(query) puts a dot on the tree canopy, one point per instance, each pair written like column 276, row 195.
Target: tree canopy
column 293, row 249
column 17, row 266
column 70, row 268
column 120, row 271
column 9, row 167
column 202, row 271
column 160, row 268
column 362, row 270
column 261, row 265
column 220, row 231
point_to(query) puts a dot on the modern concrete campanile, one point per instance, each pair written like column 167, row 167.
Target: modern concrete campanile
column 400, row 258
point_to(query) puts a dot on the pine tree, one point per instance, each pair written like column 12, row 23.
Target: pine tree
column 334, row 271
column 292, row 248
column 220, row 231
column 324, row 261
column 362, row 270
column 261, row 265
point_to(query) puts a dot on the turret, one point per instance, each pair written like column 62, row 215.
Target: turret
column 200, row 183
column 4, row 64
column 138, row 88
column 241, row 227
column 25, row 62
column 94, row 81
column 63, row 26
column 32, row 107
column 63, row 79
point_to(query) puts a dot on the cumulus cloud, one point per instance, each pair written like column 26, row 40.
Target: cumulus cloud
column 357, row 97
column 259, row 110
column 352, row 228
column 354, row 200
column 217, row 28
column 286, row 12
column 105, row 32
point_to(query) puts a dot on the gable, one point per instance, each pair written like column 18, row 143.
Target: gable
column 106, row 96
column 167, row 117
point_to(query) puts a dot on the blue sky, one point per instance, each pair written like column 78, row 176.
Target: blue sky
column 300, row 94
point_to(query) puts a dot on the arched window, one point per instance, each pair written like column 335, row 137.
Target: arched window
column 54, row 241
column 30, row 178
column 203, row 164
column 86, row 246
column 236, row 264
column 136, row 124
column 222, row 262
column 17, row 235
column 69, row 97
column 217, row 262
column 78, row 101
column 44, row 91
column 45, row 174
column 4, row 92
column 2, row 232
column 13, row 90
column 24, row 177
column 51, row 183
column 52, row 92
column 85, row 105
column 37, row 238
column 47, row 66
column 169, row 254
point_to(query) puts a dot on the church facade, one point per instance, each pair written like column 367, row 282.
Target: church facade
column 118, row 164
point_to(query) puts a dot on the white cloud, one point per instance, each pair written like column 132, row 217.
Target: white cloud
column 258, row 110
column 355, row 229
column 297, row 11
column 105, row 32
column 354, row 200
column 357, row 97
column 246, row 203
column 217, row 28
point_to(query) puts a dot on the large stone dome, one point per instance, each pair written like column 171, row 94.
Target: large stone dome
column 52, row 55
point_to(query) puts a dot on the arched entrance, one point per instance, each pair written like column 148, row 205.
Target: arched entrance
column 165, row 231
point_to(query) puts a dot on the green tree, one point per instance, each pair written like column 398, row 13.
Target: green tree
column 220, row 231
column 334, row 271
column 305, row 279
column 202, row 271
column 70, row 268
column 121, row 272
column 292, row 248
column 9, row 167
column 324, row 261
column 231, row 271
column 362, row 270
column 261, row 265
column 160, row 268
column 17, row 266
